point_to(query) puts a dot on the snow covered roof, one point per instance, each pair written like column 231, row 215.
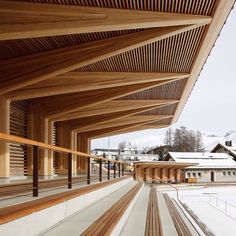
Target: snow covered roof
column 204, row 159
column 231, row 149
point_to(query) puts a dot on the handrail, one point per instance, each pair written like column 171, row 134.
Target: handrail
column 30, row 142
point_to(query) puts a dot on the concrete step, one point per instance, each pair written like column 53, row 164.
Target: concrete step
column 168, row 227
column 135, row 225
column 80, row 221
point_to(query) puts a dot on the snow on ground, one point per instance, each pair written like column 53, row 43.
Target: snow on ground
column 214, row 206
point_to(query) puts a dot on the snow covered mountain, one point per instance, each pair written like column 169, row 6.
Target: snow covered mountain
column 209, row 140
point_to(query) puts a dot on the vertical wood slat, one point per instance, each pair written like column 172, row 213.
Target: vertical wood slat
column 18, row 126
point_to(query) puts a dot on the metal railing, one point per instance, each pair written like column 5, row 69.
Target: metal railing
column 40, row 145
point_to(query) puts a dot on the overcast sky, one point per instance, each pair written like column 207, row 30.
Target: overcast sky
column 211, row 107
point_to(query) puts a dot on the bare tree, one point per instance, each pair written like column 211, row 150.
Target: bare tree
column 168, row 141
column 122, row 146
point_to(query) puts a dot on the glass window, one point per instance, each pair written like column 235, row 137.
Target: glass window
column 229, row 173
column 224, row 173
column 194, row 174
column 233, row 172
column 199, row 174
column 188, row 175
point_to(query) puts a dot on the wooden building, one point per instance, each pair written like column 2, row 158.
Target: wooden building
column 72, row 71
column 207, row 167
column 160, row 171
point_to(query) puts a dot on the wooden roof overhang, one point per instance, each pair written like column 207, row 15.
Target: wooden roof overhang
column 107, row 67
column 162, row 165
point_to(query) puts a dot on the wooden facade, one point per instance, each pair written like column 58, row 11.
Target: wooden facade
column 160, row 171
column 72, row 71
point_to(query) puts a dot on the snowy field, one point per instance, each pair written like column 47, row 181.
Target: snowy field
column 215, row 207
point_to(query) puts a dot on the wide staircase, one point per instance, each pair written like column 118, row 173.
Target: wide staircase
column 116, row 207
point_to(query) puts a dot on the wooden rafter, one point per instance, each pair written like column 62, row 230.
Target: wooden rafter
column 74, row 102
column 110, row 130
column 132, row 129
column 79, row 123
column 72, row 82
column 114, row 106
column 121, row 129
column 27, row 20
column 124, row 121
column 19, row 72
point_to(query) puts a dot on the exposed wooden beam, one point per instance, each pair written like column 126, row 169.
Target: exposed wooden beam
column 19, row 72
column 100, row 119
column 110, row 130
column 27, row 20
column 72, row 82
column 114, row 106
column 79, row 123
column 131, row 129
column 60, row 105
column 124, row 121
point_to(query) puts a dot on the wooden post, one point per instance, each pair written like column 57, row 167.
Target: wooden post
column 100, row 170
column 69, row 171
column 88, row 171
column 4, row 146
column 114, row 166
column 119, row 169
column 35, row 171
column 123, row 169
column 108, row 170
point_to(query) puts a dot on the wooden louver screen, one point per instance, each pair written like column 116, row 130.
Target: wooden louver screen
column 55, row 154
column 19, row 127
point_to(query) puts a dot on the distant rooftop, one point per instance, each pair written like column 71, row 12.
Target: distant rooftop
column 204, row 160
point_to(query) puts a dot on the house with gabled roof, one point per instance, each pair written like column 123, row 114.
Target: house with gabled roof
column 211, row 167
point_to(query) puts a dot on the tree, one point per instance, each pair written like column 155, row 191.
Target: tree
column 185, row 140
column 122, row 146
column 199, row 142
column 168, row 140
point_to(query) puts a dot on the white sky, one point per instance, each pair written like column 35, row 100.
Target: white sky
column 211, row 105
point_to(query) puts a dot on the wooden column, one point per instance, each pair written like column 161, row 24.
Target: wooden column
column 49, row 152
column 40, row 129
column 83, row 145
column 172, row 175
column 164, row 175
column 74, row 147
column 157, row 174
column 178, row 175
column 4, row 147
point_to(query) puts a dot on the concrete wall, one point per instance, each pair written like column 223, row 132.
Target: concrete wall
column 220, row 175
column 48, row 217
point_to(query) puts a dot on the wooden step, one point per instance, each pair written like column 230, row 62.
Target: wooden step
column 106, row 223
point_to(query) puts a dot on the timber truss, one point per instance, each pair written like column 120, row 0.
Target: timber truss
column 102, row 69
